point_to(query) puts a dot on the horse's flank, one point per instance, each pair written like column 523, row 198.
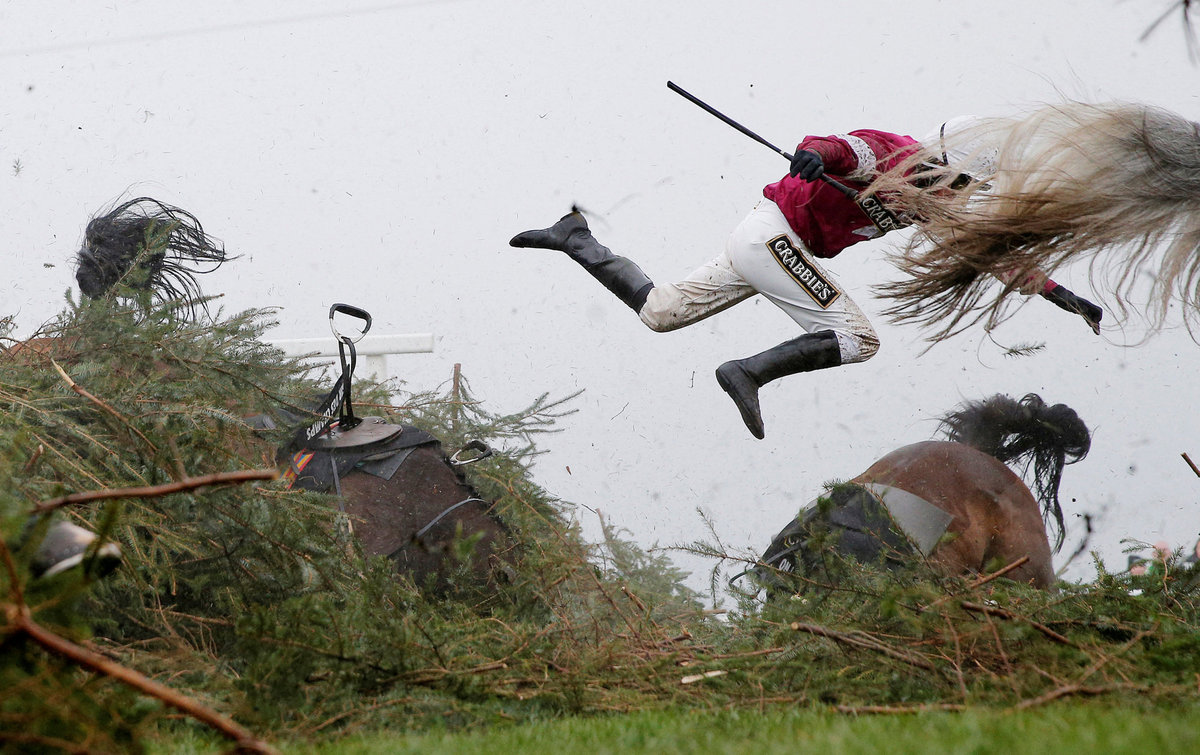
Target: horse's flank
column 996, row 519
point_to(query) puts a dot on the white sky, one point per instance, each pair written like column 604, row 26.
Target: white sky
column 383, row 154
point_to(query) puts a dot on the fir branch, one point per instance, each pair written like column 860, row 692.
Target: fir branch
column 153, row 491
column 88, row 659
column 1024, row 349
column 863, row 640
column 1003, row 614
column 100, row 403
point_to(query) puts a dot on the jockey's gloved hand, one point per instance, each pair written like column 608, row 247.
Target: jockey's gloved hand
column 1067, row 300
column 807, row 164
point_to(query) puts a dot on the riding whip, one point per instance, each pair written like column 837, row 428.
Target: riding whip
column 882, row 217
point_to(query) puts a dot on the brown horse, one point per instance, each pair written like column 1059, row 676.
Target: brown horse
column 956, row 502
column 405, row 499
column 397, row 519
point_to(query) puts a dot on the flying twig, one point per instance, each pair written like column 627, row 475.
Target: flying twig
column 1190, row 463
column 1189, row 34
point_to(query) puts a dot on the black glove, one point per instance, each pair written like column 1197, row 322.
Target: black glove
column 1077, row 304
column 807, row 164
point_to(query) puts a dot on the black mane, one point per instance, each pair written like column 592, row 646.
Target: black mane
column 148, row 245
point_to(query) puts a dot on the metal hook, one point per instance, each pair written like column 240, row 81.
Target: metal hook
column 475, row 445
column 353, row 311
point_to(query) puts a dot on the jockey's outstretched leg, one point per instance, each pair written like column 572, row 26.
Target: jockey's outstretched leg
column 837, row 332
column 713, row 287
column 572, row 235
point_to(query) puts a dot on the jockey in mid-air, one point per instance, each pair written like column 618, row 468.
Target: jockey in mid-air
column 803, row 219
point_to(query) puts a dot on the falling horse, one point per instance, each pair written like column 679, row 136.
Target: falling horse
column 956, row 502
column 405, row 499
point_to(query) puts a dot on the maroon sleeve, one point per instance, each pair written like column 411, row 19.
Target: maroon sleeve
column 837, row 155
column 842, row 159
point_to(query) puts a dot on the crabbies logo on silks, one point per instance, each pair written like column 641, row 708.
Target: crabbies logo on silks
column 803, row 271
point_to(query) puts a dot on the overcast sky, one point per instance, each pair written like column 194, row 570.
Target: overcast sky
column 383, row 154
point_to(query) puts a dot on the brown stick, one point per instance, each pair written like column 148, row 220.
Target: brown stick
column 33, row 460
column 997, row 574
column 992, row 611
column 867, row 642
column 102, row 404
column 636, row 601
column 425, row 676
column 246, row 741
column 152, row 491
column 750, row 654
column 37, row 743
column 1190, row 463
column 16, row 592
column 1073, row 689
column 980, row 581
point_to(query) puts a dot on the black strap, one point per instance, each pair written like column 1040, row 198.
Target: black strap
column 338, row 402
column 346, row 418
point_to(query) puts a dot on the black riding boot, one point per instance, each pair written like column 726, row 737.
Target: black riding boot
column 571, row 235
column 741, row 378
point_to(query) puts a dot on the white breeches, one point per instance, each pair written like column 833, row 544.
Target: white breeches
column 763, row 256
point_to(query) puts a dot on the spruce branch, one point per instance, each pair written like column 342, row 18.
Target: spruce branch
column 153, row 491
column 92, row 661
column 865, row 641
column 102, row 404
column 19, row 621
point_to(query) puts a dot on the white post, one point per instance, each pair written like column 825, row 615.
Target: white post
column 372, row 350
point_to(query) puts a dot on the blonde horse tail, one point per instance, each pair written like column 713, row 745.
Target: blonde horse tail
column 1116, row 185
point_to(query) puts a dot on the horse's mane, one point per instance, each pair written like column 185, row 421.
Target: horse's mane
column 1115, row 184
column 164, row 244
column 1026, row 433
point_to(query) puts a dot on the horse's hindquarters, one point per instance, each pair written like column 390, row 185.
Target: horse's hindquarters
column 425, row 518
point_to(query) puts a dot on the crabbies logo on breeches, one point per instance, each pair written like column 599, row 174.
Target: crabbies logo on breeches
column 803, row 271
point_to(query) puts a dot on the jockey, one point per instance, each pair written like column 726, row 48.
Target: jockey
column 775, row 252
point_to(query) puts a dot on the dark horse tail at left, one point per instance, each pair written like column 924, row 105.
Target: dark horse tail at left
column 1027, row 433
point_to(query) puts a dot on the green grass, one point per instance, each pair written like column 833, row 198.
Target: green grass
column 1061, row 728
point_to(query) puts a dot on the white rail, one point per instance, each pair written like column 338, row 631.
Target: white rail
column 372, row 350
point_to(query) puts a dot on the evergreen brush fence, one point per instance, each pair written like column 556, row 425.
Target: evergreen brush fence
column 248, row 609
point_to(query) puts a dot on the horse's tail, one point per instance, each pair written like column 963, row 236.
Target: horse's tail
column 1116, row 184
column 1025, row 433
